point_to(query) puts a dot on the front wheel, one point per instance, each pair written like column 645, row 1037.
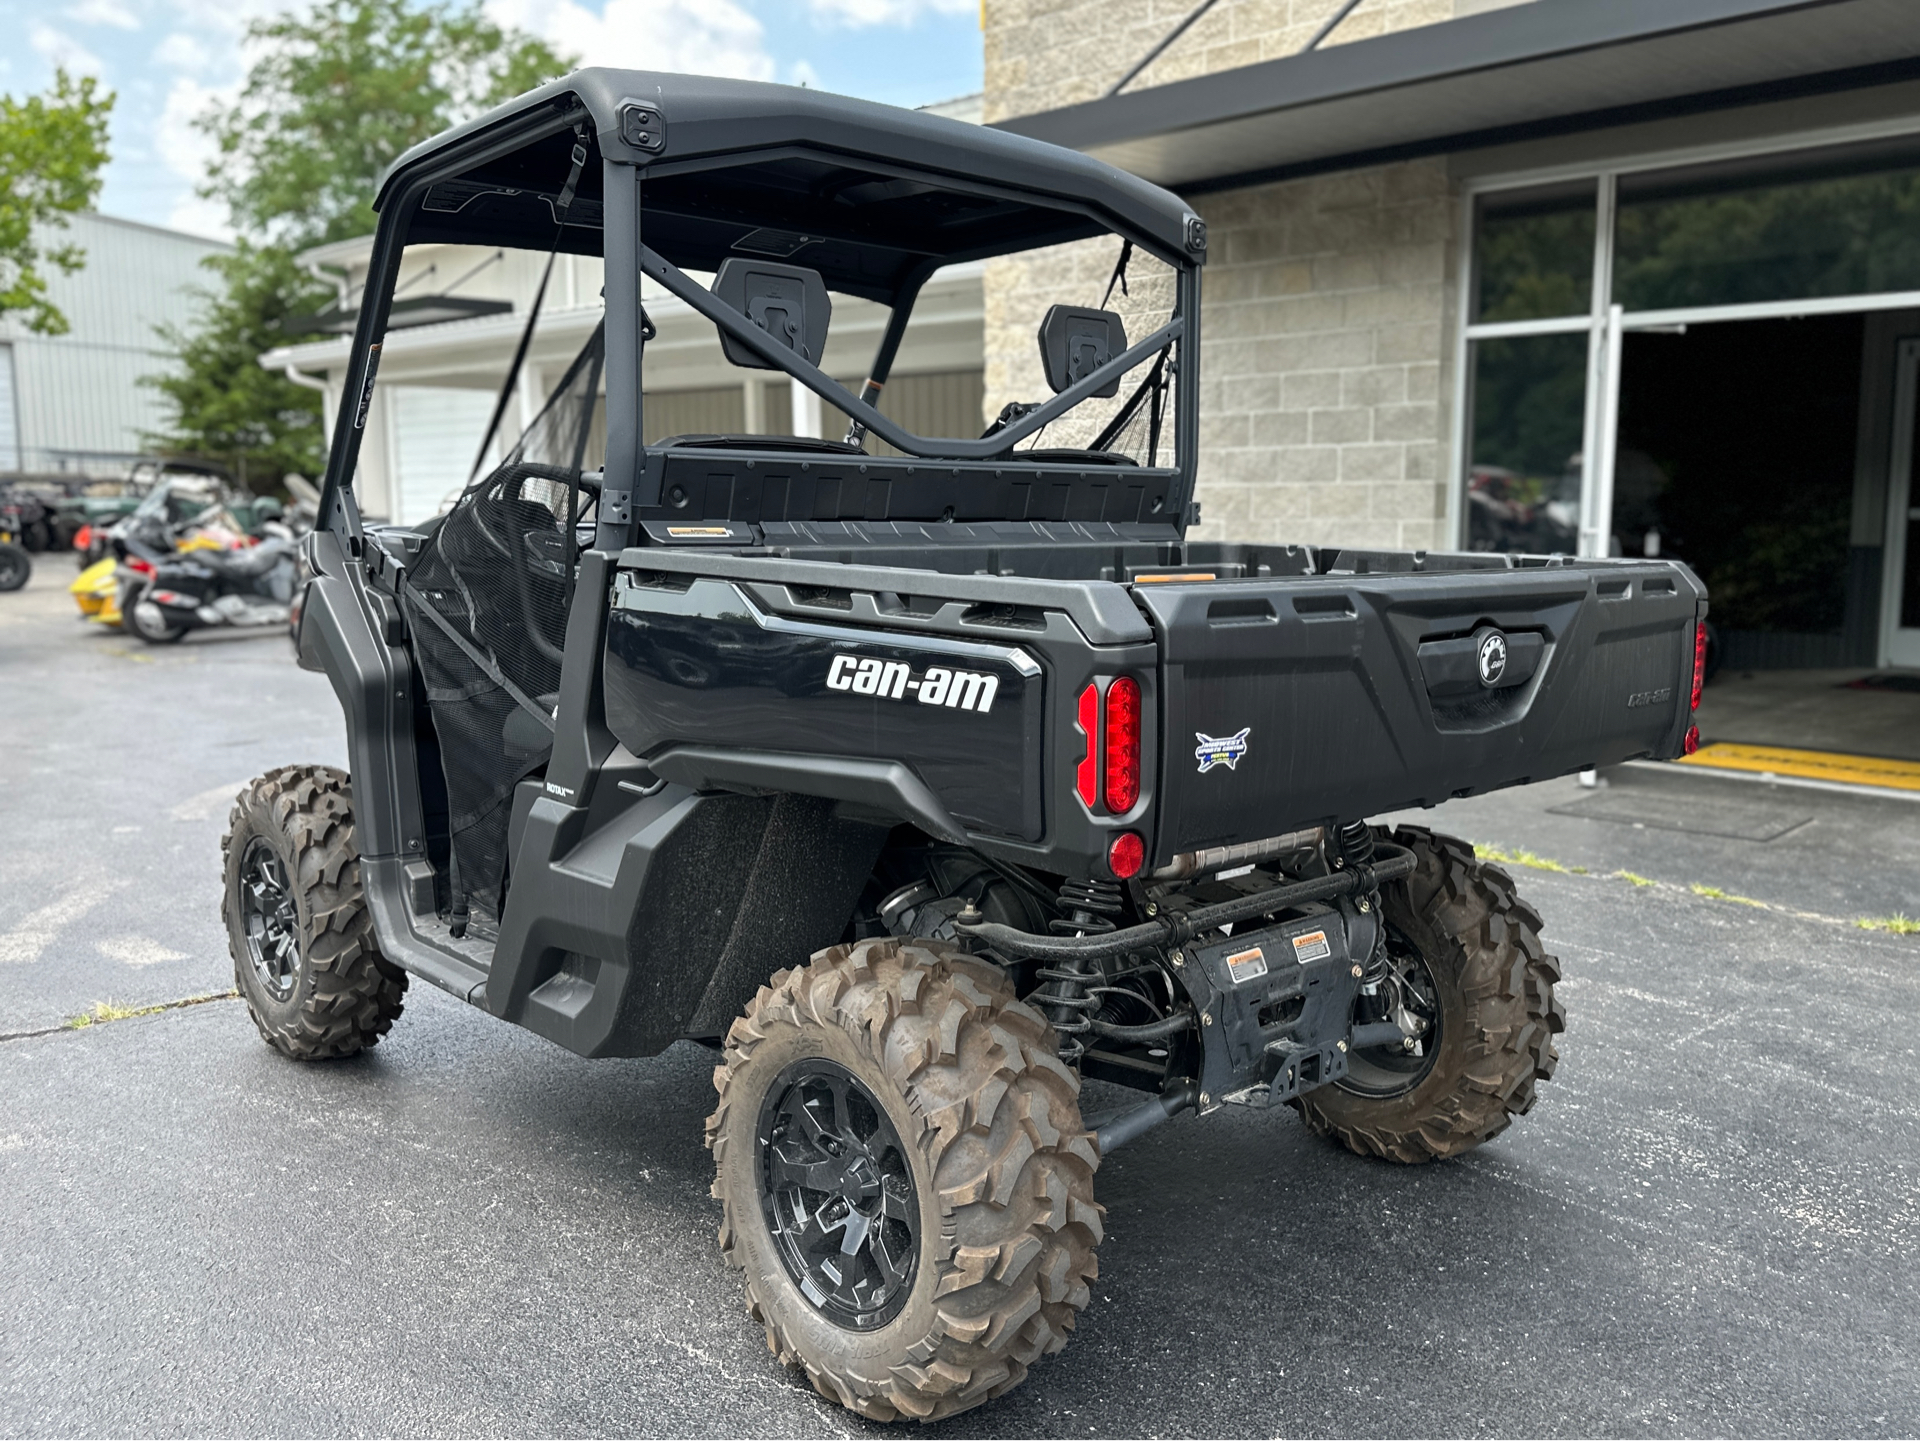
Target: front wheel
column 1468, row 969
column 904, row 1178
column 304, row 955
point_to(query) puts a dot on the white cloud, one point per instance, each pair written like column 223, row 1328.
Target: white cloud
column 186, row 152
column 105, row 12
column 64, row 51
column 801, row 73
column 860, row 13
column 181, row 51
column 704, row 37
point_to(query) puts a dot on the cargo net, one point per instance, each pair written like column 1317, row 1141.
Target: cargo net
column 487, row 603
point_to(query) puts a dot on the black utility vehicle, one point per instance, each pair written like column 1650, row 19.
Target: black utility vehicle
column 921, row 780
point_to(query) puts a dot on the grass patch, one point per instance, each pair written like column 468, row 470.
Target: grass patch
column 1634, row 879
column 1714, row 893
column 1900, row 925
column 1528, row 859
column 105, row 1011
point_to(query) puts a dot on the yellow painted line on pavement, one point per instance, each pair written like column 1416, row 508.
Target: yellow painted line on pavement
column 1808, row 765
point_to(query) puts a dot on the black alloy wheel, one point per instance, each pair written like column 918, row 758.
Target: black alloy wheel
column 838, row 1194
column 270, row 918
column 1395, row 1068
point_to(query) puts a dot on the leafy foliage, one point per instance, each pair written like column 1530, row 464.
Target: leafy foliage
column 52, row 148
column 338, row 91
column 221, row 403
column 343, row 89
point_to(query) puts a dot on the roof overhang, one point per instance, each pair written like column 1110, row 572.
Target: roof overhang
column 1538, row 69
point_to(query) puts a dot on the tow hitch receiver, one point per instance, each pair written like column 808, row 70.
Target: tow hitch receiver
column 1276, row 1006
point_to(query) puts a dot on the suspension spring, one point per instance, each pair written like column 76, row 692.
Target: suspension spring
column 1356, row 844
column 1356, row 849
column 1088, row 908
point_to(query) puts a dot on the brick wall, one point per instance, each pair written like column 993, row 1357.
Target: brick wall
column 1327, row 370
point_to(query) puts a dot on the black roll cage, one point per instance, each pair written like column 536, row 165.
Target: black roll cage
column 627, row 258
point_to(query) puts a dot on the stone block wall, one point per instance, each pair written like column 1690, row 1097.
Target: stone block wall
column 1329, row 300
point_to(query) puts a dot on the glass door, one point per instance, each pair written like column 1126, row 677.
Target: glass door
column 1901, row 557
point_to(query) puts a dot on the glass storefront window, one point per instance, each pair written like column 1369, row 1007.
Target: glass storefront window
column 1533, row 253
column 1523, row 473
column 1818, row 223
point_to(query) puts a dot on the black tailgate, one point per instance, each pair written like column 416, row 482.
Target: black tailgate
column 1363, row 694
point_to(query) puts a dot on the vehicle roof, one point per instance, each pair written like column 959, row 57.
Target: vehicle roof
column 752, row 149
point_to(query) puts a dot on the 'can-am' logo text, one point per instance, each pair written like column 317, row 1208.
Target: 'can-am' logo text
column 893, row 679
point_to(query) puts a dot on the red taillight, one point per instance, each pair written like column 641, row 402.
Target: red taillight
column 1122, row 745
column 1126, row 855
column 1692, row 742
column 82, row 538
column 1087, row 779
column 139, row 566
column 1699, row 663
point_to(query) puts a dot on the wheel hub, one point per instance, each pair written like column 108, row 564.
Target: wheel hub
column 1407, row 995
column 837, row 1192
column 270, row 918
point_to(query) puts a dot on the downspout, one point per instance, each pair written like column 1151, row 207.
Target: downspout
column 313, row 382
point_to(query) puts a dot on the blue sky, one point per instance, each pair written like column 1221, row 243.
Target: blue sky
column 169, row 59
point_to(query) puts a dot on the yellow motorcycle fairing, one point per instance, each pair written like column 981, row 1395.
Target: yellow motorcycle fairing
column 97, row 592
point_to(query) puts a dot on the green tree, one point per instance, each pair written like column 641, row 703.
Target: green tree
column 221, row 404
column 52, row 148
column 337, row 93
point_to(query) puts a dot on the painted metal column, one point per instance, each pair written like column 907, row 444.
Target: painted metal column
column 1596, row 516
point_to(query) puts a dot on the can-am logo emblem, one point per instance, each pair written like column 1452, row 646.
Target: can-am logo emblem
column 1220, row 750
column 1493, row 658
column 895, row 680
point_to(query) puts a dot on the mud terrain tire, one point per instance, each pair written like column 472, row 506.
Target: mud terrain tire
column 1498, row 1016
column 1002, row 1171
column 324, row 990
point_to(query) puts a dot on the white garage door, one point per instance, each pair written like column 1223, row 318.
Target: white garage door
column 435, row 433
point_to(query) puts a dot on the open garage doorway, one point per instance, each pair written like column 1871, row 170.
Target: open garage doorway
column 1758, row 452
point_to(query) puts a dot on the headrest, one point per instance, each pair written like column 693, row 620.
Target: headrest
column 789, row 302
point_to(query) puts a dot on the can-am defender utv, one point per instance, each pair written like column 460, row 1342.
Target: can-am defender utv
column 921, row 776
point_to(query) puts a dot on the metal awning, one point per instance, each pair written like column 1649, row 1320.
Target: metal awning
column 1544, row 68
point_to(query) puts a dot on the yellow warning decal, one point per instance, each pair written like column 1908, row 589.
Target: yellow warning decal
column 677, row 531
column 1157, row 579
column 1808, row 765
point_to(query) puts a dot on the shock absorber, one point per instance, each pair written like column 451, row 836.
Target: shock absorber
column 1089, row 908
column 1356, row 849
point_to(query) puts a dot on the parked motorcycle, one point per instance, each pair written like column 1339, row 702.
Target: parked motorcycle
column 244, row 588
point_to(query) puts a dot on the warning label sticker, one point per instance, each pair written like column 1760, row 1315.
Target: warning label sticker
column 1311, row 947
column 1246, row 966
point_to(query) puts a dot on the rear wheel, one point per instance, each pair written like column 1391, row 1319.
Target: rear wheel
column 904, row 1178
column 148, row 620
column 1469, row 969
column 304, row 956
column 16, row 566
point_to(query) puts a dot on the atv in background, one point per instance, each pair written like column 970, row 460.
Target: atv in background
column 922, row 786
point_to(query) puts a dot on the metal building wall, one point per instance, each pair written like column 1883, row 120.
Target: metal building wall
column 78, row 394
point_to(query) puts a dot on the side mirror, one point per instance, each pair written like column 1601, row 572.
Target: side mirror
column 789, row 302
column 1075, row 342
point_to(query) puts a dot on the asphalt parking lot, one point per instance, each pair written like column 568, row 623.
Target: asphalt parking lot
column 1709, row 1225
